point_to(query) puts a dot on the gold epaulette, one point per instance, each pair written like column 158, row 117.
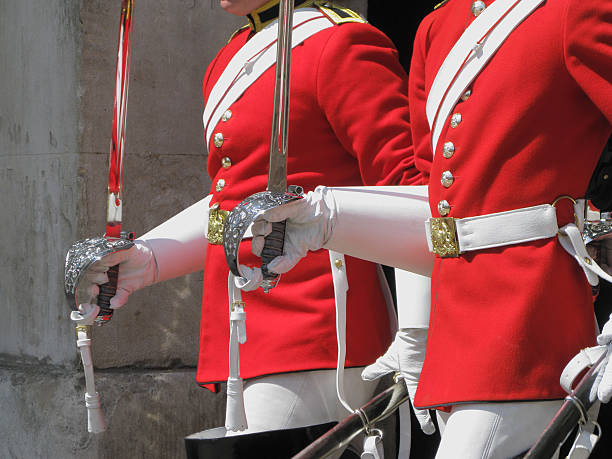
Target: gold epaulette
column 237, row 32
column 442, row 3
column 338, row 14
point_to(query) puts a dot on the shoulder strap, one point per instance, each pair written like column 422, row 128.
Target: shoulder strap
column 237, row 31
column 442, row 3
column 469, row 56
column 339, row 14
column 252, row 60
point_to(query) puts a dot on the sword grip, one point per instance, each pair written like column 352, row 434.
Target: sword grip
column 107, row 291
column 273, row 247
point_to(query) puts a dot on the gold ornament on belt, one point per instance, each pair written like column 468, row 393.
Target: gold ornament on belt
column 216, row 223
column 444, row 237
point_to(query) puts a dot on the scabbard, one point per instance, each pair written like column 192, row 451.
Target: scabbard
column 376, row 410
column 568, row 416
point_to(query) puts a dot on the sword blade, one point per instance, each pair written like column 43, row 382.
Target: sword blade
column 115, row 166
column 117, row 143
column 277, row 172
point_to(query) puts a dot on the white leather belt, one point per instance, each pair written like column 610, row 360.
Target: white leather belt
column 449, row 237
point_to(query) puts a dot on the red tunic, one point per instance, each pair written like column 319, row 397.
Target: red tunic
column 505, row 321
column 349, row 125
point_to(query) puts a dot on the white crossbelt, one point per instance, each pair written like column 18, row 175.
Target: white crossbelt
column 252, row 60
column 476, row 46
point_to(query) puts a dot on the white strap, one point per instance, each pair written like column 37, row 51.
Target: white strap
column 338, row 268
column 469, row 56
column 503, row 228
column 235, row 416
column 252, row 60
column 571, row 240
column 585, row 441
column 580, row 362
column 373, row 446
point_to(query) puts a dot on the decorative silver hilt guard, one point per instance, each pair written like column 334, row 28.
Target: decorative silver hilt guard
column 81, row 255
column 243, row 215
column 598, row 229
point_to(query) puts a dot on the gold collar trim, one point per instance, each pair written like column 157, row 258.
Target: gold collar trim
column 268, row 12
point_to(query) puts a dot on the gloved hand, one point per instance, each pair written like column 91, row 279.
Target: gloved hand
column 604, row 390
column 137, row 269
column 310, row 222
column 405, row 355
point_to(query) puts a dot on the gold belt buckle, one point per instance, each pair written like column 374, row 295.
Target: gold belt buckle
column 216, row 223
column 444, row 237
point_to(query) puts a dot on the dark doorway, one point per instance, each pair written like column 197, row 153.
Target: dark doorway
column 399, row 20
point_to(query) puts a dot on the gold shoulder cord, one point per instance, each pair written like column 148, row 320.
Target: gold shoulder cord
column 246, row 26
column 442, row 3
column 338, row 14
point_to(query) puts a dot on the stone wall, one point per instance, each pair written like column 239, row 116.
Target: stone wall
column 57, row 68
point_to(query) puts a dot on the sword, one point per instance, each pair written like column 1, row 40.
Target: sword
column 115, row 167
column 277, row 192
column 82, row 254
column 572, row 412
column 362, row 420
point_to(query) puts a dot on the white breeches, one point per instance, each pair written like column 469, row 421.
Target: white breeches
column 493, row 430
column 301, row 399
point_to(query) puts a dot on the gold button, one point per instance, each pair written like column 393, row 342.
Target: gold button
column 466, row 95
column 338, row 263
column 218, row 140
column 455, row 120
column 447, row 179
column 227, row 115
column 226, row 162
column 444, row 208
column 478, row 7
column 448, row 150
column 220, row 184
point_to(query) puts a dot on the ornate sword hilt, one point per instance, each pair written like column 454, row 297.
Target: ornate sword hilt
column 243, row 215
column 84, row 253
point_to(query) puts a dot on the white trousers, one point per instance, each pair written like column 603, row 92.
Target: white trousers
column 493, row 430
column 301, row 399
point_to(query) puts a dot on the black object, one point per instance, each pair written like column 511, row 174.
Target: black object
column 107, row 291
column 599, row 191
column 273, row 444
column 273, row 247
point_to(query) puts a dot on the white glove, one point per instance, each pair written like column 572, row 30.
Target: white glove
column 405, row 355
column 604, row 390
column 310, row 221
column 383, row 224
column 137, row 269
